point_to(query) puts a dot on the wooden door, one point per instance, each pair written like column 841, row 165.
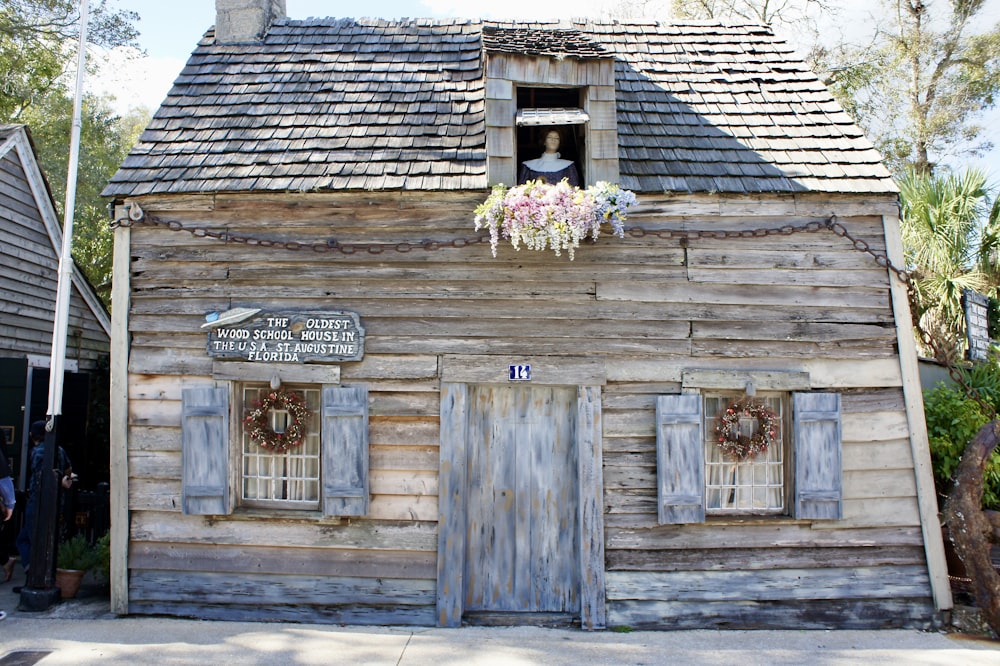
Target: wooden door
column 522, row 544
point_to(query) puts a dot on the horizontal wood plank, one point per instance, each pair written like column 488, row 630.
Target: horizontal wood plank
column 896, row 613
column 318, row 562
column 772, row 584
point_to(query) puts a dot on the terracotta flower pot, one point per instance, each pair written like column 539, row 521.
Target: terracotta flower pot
column 68, row 581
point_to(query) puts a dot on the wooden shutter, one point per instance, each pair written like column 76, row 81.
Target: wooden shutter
column 205, row 451
column 680, row 467
column 345, row 451
column 818, row 491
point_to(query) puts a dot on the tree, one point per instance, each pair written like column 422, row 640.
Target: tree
column 770, row 12
column 37, row 45
column 38, row 41
column 948, row 248
column 105, row 140
column 919, row 86
column 974, row 531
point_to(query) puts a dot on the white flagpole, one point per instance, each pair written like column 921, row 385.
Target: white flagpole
column 60, row 324
column 39, row 593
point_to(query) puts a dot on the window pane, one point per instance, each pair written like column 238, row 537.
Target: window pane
column 754, row 485
column 291, row 478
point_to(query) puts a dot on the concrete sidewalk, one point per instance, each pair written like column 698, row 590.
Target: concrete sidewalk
column 84, row 632
column 161, row 641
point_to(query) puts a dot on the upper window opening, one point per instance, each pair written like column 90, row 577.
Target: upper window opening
column 540, row 113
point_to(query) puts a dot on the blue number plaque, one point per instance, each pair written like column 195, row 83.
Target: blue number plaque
column 519, row 373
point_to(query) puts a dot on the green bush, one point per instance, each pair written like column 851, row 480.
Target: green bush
column 76, row 554
column 953, row 419
column 102, row 563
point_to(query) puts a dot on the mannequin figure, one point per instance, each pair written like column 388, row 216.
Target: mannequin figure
column 549, row 168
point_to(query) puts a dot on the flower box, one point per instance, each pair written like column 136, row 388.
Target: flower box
column 539, row 215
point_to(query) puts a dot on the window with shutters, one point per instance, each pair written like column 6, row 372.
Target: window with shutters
column 801, row 478
column 289, row 479
column 753, row 486
column 328, row 472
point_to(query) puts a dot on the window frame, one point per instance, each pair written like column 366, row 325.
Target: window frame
column 241, row 453
column 532, row 135
column 787, row 463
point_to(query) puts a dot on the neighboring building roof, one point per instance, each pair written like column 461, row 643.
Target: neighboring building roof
column 336, row 104
column 31, row 245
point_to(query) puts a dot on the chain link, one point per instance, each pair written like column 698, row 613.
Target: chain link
column 722, row 234
column 319, row 247
column 941, row 355
column 137, row 217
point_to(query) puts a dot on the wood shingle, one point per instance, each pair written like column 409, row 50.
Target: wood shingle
column 700, row 107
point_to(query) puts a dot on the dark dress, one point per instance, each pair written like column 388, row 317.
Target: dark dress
column 553, row 177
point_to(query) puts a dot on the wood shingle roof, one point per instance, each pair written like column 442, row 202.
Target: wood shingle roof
column 332, row 104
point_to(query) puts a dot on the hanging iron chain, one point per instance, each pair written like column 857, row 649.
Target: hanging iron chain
column 138, row 217
column 940, row 354
column 319, row 247
column 723, row 234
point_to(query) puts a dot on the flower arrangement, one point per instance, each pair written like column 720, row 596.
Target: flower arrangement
column 738, row 446
column 541, row 215
column 260, row 430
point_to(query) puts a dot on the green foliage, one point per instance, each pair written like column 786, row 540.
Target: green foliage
column 950, row 235
column 105, row 140
column 102, row 560
column 953, row 419
column 38, row 44
column 76, row 554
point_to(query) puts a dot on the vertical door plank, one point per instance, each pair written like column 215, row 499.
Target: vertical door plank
column 589, row 439
column 523, row 518
column 451, row 503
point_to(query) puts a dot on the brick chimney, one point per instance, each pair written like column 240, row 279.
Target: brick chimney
column 245, row 21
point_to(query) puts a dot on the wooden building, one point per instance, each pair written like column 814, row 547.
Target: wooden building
column 30, row 246
column 522, row 438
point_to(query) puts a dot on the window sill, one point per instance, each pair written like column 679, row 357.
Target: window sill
column 287, row 515
column 721, row 521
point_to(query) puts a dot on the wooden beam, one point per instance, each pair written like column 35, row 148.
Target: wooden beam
column 914, row 400
column 590, row 467
column 451, row 505
column 553, row 370
column 119, row 418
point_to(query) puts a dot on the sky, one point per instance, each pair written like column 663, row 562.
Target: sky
column 170, row 29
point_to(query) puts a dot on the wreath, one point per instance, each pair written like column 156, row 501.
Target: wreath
column 258, row 421
column 740, row 447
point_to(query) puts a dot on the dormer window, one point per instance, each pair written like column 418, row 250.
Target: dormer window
column 540, row 112
column 538, row 81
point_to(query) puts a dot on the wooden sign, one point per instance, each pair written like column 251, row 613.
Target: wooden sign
column 255, row 335
column 976, row 325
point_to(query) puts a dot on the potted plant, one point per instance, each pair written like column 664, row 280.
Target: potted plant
column 74, row 559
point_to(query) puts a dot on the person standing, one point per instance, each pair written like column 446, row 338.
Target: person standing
column 7, row 500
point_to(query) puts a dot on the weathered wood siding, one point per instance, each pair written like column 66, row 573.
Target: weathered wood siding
column 29, row 257
column 648, row 308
